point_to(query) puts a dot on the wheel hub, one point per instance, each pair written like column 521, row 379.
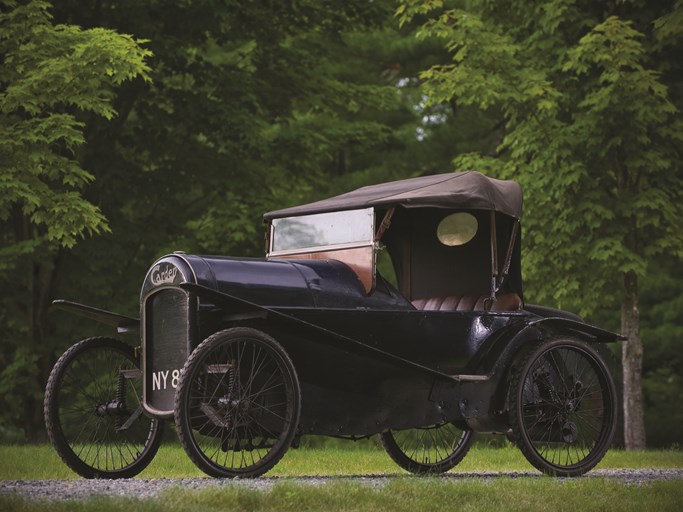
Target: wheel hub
column 112, row 408
column 234, row 403
column 570, row 432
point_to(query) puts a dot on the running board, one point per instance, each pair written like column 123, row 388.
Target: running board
column 470, row 378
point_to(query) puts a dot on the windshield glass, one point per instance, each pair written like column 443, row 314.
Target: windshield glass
column 347, row 228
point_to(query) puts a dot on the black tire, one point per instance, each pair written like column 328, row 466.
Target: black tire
column 237, row 404
column 434, row 449
column 564, row 407
column 93, row 411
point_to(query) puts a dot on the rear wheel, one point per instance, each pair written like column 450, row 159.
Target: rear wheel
column 93, row 412
column 237, row 404
column 565, row 407
column 433, row 449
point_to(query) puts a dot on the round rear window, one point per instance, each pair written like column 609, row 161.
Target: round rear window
column 457, row 229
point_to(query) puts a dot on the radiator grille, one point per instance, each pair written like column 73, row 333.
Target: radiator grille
column 167, row 342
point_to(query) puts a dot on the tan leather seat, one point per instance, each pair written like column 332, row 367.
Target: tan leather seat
column 504, row 302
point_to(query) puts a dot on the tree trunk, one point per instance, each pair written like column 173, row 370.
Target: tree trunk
column 632, row 359
column 41, row 280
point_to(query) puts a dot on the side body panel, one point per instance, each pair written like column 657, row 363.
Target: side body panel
column 348, row 392
column 364, row 371
column 444, row 341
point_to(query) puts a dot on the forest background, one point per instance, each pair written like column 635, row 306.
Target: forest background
column 133, row 128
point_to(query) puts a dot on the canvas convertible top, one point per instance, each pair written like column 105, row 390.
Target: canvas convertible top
column 466, row 190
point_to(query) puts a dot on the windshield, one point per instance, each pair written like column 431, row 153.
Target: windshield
column 346, row 236
column 324, row 230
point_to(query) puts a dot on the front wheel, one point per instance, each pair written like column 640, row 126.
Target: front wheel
column 433, row 449
column 93, row 412
column 237, row 404
column 564, row 408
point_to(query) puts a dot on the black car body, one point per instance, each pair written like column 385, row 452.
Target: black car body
column 447, row 350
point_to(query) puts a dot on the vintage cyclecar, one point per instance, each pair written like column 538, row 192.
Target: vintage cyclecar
column 247, row 355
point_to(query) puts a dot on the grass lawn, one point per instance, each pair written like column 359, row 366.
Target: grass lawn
column 41, row 462
column 401, row 493
column 404, row 494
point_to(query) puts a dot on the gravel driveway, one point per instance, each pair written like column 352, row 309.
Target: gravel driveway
column 149, row 488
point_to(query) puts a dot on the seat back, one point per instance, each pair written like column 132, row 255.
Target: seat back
column 503, row 302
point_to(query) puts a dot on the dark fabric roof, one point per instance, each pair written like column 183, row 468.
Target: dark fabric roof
column 466, row 190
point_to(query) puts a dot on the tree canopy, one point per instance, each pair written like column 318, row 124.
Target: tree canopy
column 590, row 98
column 245, row 108
column 51, row 76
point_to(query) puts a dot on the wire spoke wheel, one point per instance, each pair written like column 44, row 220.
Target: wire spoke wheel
column 93, row 411
column 433, row 449
column 564, row 415
column 237, row 404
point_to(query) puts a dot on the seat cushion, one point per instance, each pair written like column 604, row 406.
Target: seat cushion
column 504, row 302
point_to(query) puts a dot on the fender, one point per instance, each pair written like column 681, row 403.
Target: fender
column 575, row 327
column 485, row 396
column 500, row 353
column 122, row 323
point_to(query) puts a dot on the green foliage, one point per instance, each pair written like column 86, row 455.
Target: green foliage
column 662, row 332
column 590, row 97
column 592, row 133
column 238, row 119
column 52, row 78
column 246, row 108
column 49, row 74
